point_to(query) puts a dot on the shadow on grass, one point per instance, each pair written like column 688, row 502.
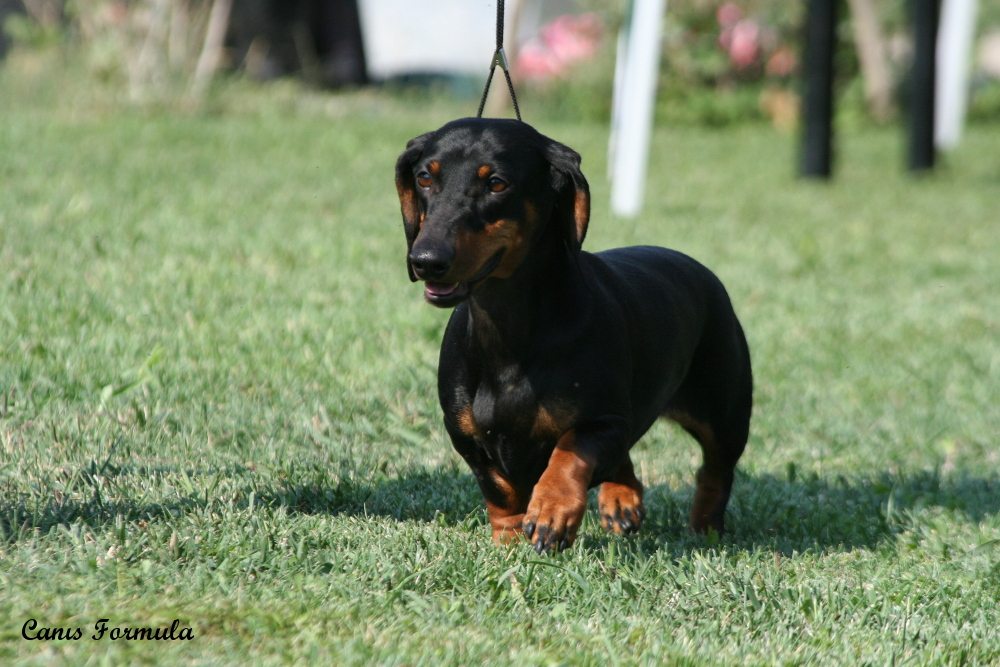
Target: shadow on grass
column 21, row 519
column 23, row 515
column 766, row 511
column 419, row 495
column 840, row 514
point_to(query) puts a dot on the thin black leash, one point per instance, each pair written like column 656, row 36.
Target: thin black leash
column 499, row 58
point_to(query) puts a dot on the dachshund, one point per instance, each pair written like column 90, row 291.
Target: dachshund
column 555, row 361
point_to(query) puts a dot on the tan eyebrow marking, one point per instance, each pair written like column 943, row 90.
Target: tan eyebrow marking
column 434, row 167
column 484, row 171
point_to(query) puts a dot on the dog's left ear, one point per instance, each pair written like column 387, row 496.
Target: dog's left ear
column 409, row 203
column 572, row 209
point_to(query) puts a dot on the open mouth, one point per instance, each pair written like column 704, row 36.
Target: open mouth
column 445, row 294
column 450, row 294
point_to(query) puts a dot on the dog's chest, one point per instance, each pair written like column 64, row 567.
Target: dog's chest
column 501, row 409
column 509, row 413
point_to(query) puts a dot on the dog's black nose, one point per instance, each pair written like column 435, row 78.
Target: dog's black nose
column 431, row 263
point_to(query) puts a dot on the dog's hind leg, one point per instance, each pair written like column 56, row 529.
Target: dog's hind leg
column 714, row 480
column 714, row 405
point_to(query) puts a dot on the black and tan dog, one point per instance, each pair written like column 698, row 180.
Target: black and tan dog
column 555, row 360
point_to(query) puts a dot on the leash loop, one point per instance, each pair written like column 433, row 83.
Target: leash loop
column 499, row 58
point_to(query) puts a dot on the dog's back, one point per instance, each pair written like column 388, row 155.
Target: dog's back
column 688, row 351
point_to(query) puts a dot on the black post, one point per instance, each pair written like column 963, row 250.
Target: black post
column 817, row 98
column 340, row 48
column 922, row 81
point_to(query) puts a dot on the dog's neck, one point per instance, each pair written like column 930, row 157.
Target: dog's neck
column 504, row 313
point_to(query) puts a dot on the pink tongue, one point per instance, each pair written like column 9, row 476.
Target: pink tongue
column 440, row 289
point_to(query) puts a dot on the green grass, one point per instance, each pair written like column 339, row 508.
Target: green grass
column 217, row 404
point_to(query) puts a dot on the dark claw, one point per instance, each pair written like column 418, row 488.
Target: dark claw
column 542, row 543
column 624, row 520
column 528, row 527
column 563, row 544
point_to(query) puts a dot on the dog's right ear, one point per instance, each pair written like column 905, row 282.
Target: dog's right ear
column 409, row 203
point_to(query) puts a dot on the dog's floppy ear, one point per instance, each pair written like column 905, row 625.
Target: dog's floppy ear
column 409, row 204
column 572, row 210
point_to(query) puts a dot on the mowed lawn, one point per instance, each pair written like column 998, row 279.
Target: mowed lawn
column 218, row 405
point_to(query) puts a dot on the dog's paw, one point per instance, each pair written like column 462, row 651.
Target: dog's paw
column 620, row 507
column 553, row 517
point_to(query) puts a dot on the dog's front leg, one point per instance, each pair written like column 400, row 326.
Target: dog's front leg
column 504, row 505
column 559, row 499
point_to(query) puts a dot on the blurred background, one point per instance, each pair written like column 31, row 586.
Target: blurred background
column 723, row 63
column 216, row 380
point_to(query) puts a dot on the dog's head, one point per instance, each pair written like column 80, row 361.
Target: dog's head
column 475, row 196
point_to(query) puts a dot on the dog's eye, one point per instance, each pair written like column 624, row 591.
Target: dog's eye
column 424, row 179
column 496, row 184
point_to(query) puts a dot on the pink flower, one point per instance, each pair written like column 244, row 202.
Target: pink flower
column 564, row 41
column 744, row 43
column 728, row 14
column 535, row 62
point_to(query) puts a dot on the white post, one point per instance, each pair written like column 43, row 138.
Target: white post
column 635, row 95
column 958, row 24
